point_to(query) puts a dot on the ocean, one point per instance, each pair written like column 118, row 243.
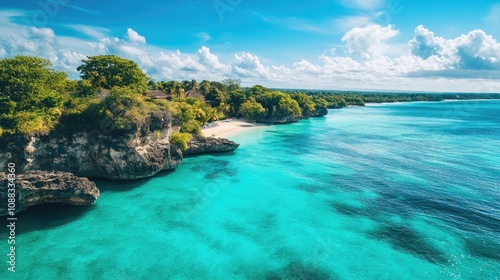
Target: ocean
column 386, row 191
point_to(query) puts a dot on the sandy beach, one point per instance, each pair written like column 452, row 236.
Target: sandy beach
column 226, row 128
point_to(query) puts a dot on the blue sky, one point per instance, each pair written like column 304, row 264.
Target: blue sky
column 326, row 44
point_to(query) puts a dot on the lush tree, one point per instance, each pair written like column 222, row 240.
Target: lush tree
column 252, row 110
column 194, row 85
column 257, row 90
column 31, row 94
column 151, row 83
column 185, row 85
column 204, row 87
column 173, row 88
column 215, row 97
column 279, row 105
column 84, row 89
column 232, row 84
column 190, row 114
column 108, row 71
column 190, row 85
column 287, row 107
column 236, row 99
column 306, row 104
column 220, row 86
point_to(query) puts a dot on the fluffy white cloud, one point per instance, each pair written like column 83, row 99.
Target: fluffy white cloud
column 43, row 33
column 211, row 61
column 473, row 51
column 134, row 37
column 248, row 65
column 466, row 63
column 368, row 41
column 477, row 50
column 425, row 44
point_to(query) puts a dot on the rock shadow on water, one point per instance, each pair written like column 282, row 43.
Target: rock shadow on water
column 405, row 238
column 215, row 168
column 125, row 186
column 296, row 270
column 48, row 216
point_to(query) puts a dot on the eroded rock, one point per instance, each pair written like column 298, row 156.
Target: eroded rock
column 203, row 145
column 41, row 187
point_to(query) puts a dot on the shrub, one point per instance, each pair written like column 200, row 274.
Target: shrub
column 181, row 140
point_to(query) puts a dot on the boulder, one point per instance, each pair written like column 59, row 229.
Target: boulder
column 41, row 187
column 203, row 145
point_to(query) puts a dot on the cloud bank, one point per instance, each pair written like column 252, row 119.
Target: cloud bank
column 470, row 62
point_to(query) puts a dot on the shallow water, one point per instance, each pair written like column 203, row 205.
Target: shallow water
column 388, row 191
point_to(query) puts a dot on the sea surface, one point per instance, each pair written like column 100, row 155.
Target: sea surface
column 386, row 191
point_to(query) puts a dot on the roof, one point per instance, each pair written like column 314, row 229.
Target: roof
column 195, row 94
column 158, row 94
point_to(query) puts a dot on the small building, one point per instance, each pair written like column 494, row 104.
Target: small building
column 158, row 94
column 195, row 94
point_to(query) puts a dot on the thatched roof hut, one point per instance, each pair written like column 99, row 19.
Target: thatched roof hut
column 158, row 94
column 195, row 94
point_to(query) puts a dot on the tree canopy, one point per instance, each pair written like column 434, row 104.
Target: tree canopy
column 252, row 110
column 31, row 94
column 108, row 71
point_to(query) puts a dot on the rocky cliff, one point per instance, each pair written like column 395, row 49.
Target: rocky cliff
column 320, row 112
column 202, row 145
column 137, row 151
column 39, row 187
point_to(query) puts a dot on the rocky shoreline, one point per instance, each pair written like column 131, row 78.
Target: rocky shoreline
column 53, row 168
column 42, row 187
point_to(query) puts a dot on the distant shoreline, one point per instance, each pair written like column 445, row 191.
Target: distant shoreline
column 424, row 101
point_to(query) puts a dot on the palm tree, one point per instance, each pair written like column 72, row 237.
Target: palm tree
column 204, row 87
column 178, row 90
column 194, row 85
column 185, row 85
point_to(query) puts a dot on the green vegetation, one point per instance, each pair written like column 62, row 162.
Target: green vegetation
column 181, row 140
column 341, row 99
column 109, row 71
column 36, row 99
column 31, row 95
column 252, row 110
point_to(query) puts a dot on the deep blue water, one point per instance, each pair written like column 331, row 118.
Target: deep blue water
column 387, row 191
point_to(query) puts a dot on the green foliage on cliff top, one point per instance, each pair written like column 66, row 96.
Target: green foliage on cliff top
column 181, row 139
column 252, row 110
column 109, row 71
column 119, row 108
column 31, row 95
column 35, row 98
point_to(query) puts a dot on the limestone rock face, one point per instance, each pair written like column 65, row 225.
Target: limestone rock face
column 136, row 151
column 202, row 145
column 41, row 187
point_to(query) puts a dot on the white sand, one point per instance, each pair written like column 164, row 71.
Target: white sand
column 226, row 128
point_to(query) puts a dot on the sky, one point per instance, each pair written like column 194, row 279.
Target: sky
column 380, row 45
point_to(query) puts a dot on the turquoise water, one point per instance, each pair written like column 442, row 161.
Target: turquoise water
column 392, row 191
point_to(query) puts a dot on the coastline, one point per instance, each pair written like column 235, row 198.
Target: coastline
column 227, row 128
